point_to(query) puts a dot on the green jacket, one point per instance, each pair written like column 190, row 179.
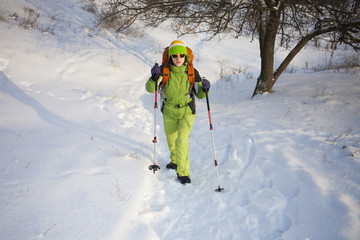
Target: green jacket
column 176, row 90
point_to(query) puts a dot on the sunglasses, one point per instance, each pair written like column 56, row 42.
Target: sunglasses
column 177, row 55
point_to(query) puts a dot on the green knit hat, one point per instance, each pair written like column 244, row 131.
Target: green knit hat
column 177, row 46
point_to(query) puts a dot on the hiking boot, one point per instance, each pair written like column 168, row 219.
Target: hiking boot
column 184, row 179
column 171, row 166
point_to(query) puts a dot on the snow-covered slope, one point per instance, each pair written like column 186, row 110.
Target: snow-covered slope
column 76, row 130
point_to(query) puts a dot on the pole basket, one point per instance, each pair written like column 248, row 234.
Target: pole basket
column 154, row 168
column 219, row 189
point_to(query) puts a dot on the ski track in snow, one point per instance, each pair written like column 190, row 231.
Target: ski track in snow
column 174, row 210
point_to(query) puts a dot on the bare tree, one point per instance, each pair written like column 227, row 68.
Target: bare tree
column 289, row 21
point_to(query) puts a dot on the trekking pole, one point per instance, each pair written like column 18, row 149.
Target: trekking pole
column 154, row 167
column 219, row 189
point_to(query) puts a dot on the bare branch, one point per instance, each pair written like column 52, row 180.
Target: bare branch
column 293, row 22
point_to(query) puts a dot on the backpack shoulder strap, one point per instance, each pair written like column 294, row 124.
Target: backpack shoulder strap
column 191, row 71
column 166, row 68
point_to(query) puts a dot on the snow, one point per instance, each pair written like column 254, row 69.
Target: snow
column 77, row 127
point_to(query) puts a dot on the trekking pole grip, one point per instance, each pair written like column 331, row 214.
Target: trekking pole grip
column 157, row 76
column 208, row 108
column 156, row 88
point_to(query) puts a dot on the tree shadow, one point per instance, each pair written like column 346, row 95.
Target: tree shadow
column 54, row 119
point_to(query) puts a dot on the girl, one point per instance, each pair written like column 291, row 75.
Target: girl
column 178, row 106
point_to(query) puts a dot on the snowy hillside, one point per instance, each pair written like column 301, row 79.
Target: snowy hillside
column 76, row 136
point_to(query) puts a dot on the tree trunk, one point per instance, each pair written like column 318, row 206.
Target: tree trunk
column 268, row 27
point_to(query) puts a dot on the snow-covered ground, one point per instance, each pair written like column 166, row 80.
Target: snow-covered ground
column 76, row 136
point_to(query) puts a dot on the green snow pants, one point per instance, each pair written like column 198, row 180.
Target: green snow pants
column 178, row 123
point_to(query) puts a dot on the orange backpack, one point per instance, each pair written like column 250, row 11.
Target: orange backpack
column 166, row 67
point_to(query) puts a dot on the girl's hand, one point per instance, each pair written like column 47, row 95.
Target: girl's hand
column 205, row 85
